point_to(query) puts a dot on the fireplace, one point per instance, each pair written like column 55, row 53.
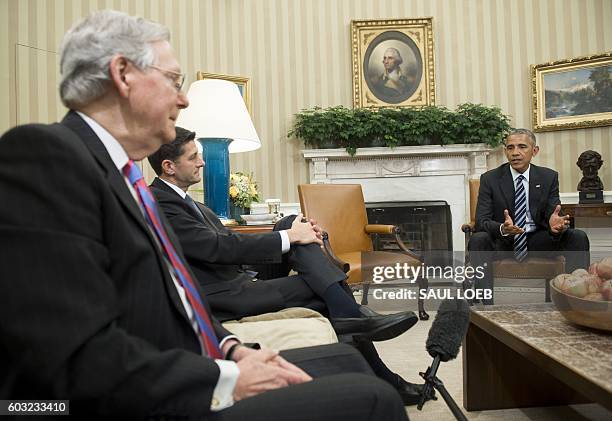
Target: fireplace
column 425, row 228
column 432, row 173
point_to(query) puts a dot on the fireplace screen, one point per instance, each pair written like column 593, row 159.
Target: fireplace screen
column 425, row 227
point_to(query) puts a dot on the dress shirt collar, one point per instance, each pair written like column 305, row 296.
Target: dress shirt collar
column 177, row 189
column 515, row 174
column 113, row 147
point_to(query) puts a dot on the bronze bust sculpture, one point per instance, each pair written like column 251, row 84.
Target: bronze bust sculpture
column 590, row 186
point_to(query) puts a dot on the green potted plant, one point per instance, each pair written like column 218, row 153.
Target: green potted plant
column 362, row 127
column 478, row 123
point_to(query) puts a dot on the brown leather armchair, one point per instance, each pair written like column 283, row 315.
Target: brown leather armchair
column 530, row 268
column 340, row 210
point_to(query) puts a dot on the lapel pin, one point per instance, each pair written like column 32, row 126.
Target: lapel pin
column 537, row 186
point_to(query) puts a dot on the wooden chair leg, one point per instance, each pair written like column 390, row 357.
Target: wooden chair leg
column 423, row 284
column 364, row 294
column 465, row 285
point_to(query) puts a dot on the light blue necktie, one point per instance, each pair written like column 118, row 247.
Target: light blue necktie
column 520, row 219
column 189, row 200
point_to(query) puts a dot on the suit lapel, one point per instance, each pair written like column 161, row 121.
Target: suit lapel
column 159, row 184
column 114, row 177
column 211, row 218
column 507, row 187
column 123, row 194
column 535, row 190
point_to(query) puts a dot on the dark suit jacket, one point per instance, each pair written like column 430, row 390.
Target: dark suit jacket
column 497, row 193
column 212, row 251
column 89, row 311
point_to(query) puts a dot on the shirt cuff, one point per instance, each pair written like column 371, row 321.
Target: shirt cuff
column 501, row 232
column 286, row 245
column 223, row 393
column 227, row 338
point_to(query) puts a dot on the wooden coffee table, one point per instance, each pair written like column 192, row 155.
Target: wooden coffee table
column 529, row 355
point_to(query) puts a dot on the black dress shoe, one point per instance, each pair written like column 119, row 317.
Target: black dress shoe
column 375, row 328
column 410, row 392
column 367, row 311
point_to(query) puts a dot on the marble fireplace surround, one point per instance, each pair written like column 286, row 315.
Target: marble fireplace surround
column 406, row 173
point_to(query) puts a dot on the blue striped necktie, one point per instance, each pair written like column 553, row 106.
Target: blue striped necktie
column 520, row 219
column 189, row 200
column 206, row 332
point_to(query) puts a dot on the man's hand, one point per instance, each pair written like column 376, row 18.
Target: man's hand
column 509, row 227
column 558, row 223
column 303, row 232
column 265, row 370
column 317, row 228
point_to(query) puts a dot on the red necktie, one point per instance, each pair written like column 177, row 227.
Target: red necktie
column 209, row 338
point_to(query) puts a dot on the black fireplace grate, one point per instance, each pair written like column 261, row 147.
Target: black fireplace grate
column 425, row 228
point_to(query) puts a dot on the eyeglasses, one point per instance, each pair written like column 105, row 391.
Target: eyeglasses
column 178, row 79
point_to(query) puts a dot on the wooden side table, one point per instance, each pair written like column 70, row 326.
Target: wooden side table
column 591, row 210
column 251, row 229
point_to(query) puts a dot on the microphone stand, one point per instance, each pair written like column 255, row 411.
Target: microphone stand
column 432, row 382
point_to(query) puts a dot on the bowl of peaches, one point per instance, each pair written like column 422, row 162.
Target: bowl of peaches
column 585, row 297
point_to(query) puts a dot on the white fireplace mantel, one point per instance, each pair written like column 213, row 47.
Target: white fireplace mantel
column 406, row 173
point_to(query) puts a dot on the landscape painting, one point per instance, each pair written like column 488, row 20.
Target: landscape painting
column 573, row 93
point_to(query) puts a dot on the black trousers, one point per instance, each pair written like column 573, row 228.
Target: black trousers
column 343, row 388
column 573, row 244
column 312, row 264
column 315, row 273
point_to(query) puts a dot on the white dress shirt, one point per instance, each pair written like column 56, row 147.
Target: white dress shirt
column 529, row 224
column 228, row 370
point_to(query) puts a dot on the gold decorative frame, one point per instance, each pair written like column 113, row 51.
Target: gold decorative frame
column 244, row 84
column 570, row 79
column 412, row 37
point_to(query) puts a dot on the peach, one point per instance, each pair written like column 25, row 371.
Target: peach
column 561, row 281
column 577, row 287
column 604, row 268
column 593, row 283
column 606, row 290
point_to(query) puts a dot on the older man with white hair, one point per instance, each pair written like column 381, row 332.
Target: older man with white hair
column 99, row 306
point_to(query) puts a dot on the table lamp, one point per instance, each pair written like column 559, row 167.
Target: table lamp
column 219, row 117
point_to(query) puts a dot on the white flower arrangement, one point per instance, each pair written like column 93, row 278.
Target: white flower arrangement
column 243, row 190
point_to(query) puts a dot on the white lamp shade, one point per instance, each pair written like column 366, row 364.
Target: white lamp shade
column 216, row 109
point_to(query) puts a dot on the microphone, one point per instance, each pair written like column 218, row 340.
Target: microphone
column 443, row 342
column 448, row 329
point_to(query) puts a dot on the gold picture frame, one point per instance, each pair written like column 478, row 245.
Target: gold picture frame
column 244, row 85
column 381, row 85
column 570, row 94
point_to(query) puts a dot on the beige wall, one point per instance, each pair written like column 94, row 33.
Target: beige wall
column 297, row 53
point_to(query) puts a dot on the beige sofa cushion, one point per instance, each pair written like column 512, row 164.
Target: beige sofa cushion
column 289, row 328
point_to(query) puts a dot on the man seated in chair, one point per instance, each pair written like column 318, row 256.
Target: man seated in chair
column 518, row 214
column 98, row 307
column 216, row 255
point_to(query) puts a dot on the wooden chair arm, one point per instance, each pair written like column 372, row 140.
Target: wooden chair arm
column 468, row 228
column 344, row 267
column 379, row 229
column 396, row 232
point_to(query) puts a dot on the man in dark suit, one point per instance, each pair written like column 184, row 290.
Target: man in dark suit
column 98, row 306
column 518, row 213
column 234, row 292
column 216, row 255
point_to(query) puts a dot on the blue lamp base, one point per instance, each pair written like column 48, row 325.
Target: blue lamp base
column 216, row 174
